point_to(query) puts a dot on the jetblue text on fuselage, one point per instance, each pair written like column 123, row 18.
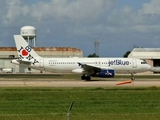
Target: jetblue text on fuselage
column 117, row 62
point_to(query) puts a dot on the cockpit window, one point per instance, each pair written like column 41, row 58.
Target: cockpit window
column 144, row 62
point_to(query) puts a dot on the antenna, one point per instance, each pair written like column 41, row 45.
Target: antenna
column 96, row 45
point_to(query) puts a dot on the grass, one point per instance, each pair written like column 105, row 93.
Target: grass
column 89, row 103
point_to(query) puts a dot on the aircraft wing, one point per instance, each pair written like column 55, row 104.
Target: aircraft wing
column 90, row 68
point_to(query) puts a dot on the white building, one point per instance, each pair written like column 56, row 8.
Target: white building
column 151, row 55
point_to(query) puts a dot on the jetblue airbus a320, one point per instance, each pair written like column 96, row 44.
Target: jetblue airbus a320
column 88, row 67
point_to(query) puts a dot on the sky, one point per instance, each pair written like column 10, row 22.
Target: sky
column 119, row 25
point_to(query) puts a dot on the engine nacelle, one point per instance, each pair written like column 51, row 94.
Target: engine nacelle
column 77, row 71
column 105, row 73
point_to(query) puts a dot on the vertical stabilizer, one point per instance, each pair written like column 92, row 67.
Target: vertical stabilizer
column 25, row 51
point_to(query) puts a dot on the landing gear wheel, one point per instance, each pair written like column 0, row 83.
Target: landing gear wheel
column 83, row 77
column 88, row 78
column 132, row 78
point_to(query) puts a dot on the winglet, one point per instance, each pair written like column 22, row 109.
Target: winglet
column 79, row 64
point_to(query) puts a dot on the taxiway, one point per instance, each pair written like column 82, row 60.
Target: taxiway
column 72, row 83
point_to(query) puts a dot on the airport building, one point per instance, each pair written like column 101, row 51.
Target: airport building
column 29, row 34
column 150, row 55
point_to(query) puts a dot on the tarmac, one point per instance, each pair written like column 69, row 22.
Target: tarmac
column 75, row 83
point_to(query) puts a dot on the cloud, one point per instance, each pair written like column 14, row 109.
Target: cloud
column 79, row 11
column 15, row 10
column 75, row 11
column 79, row 22
column 151, row 8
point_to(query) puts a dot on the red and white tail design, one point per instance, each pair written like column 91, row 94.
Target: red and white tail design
column 25, row 51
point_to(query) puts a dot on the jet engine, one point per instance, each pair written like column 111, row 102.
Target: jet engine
column 77, row 70
column 104, row 73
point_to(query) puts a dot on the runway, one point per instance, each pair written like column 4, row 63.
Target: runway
column 74, row 83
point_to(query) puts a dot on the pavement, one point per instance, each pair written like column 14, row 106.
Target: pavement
column 75, row 83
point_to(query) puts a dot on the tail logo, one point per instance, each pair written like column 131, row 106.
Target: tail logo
column 24, row 52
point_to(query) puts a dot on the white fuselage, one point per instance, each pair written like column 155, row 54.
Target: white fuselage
column 119, row 65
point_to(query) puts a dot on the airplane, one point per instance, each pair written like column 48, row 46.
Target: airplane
column 88, row 67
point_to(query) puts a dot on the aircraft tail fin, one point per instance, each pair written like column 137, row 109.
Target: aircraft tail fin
column 25, row 51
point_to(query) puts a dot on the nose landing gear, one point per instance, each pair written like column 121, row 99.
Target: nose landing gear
column 132, row 79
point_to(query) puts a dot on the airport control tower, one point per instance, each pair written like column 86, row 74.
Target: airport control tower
column 29, row 34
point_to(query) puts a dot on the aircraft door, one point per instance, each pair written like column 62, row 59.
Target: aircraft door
column 134, row 63
column 41, row 63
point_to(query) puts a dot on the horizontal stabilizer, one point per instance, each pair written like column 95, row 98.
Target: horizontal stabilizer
column 24, row 62
column 17, row 61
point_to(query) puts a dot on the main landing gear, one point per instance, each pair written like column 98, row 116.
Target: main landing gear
column 87, row 78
